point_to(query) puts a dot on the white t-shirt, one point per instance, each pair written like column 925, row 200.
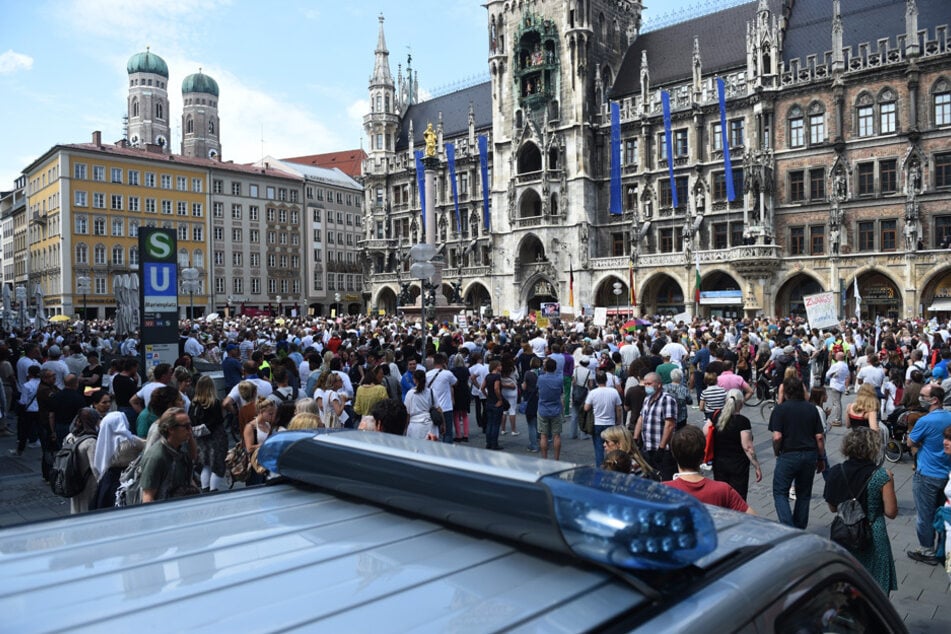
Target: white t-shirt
column 264, row 390
column 604, row 401
column 873, row 375
column 676, row 351
column 478, row 372
column 145, row 393
column 539, row 346
column 441, row 382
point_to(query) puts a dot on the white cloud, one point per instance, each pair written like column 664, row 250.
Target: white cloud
column 11, row 62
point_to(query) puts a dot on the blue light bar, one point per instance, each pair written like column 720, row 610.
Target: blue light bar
column 600, row 516
column 629, row 522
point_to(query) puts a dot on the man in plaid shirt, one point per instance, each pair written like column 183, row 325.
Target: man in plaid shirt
column 656, row 424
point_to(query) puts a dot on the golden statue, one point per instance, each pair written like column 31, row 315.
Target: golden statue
column 430, row 137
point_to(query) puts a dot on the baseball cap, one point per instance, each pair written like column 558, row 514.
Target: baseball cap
column 230, row 347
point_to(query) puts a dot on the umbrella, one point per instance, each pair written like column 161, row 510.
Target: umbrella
column 59, row 318
column 634, row 324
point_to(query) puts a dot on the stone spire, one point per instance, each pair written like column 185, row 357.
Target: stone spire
column 381, row 65
column 838, row 61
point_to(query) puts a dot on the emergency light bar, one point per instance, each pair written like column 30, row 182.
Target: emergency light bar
column 601, row 516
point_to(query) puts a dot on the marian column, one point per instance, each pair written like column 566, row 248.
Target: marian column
column 430, row 165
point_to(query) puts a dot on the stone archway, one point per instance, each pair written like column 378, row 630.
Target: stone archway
column 540, row 290
column 721, row 295
column 880, row 296
column 936, row 295
column 662, row 294
column 386, row 300
column 789, row 296
column 477, row 296
column 604, row 294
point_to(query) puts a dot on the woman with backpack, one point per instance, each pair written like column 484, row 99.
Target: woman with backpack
column 84, row 431
column 860, row 477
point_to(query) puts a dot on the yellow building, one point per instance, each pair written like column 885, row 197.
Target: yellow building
column 85, row 205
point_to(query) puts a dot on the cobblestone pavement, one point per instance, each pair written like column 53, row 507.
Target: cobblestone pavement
column 922, row 598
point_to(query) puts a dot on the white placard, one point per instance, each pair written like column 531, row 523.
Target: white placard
column 821, row 310
column 600, row 316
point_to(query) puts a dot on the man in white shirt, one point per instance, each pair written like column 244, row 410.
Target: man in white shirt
column 477, row 374
column 872, row 373
column 605, row 403
column 57, row 366
column 193, row 347
column 838, row 375
column 629, row 351
column 233, row 402
column 162, row 376
column 539, row 345
column 676, row 351
column 31, row 356
column 440, row 381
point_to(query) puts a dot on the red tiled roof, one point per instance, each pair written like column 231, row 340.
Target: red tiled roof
column 350, row 162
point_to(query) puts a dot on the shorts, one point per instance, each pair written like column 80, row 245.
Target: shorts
column 550, row 425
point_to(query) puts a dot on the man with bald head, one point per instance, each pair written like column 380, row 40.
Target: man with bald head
column 839, row 377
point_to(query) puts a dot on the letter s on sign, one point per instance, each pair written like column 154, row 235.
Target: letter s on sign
column 159, row 246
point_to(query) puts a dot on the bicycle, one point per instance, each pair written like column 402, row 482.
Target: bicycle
column 768, row 404
column 761, row 391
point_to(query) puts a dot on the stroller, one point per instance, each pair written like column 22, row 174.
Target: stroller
column 897, row 425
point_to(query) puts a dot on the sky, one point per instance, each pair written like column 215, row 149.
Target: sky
column 292, row 74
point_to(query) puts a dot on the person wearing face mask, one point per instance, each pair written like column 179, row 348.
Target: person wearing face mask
column 927, row 443
column 656, row 424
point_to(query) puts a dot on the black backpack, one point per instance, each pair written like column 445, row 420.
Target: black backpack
column 66, row 480
column 850, row 526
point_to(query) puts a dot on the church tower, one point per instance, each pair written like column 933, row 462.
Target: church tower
column 382, row 124
column 148, row 100
column 201, row 132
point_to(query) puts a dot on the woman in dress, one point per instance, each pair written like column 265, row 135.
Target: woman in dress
column 530, row 397
column 418, row 402
column 370, row 392
column 509, row 392
column 208, row 427
column 733, row 450
column 862, row 447
column 462, row 397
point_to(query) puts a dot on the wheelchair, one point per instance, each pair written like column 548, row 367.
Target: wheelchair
column 897, row 425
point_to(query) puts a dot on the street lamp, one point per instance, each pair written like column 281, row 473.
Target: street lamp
column 83, row 285
column 337, row 302
column 20, row 294
column 279, row 310
column 190, row 285
column 617, row 299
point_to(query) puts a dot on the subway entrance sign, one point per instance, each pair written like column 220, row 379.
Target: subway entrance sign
column 158, row 296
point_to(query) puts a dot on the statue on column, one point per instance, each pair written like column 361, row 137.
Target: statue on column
column 429, row 136
column 911, row 236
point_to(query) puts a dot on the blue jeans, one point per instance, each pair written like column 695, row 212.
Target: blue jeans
column 493, row 423
column 929, row 495
column 448, row 435
column 799, row 468
column 598, row 445
column 532, row 432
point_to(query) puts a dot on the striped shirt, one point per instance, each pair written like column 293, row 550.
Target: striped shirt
column 713, row 398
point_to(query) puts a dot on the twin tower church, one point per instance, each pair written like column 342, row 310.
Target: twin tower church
column 149, row 117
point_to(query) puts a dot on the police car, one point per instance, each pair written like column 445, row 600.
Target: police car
column 376, row 533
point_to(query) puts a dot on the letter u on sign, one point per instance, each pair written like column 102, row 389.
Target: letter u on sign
column 159, row 280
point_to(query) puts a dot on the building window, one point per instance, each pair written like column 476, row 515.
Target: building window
column 133, row 203
column 817, row 184
column 942, row 232
column 167, row 207
column 118, row 227
column 866, row 120
column 269, row 214
column 82, row 254
column 79, row 199
column 887, row 118
column 716, row 136
column 942, row 108
column 796, row 132
column 253, row 212
column 942, row 170
column 99, row 173
column 630, row 152
column 183, row 232
column 98, row 200
column 118, row 255
column 720, row 235
column 889, row 231
column 295, row 217
column 217, row 186
column 133, row 256
column 254, row 235
column 797, row 186
column 253, row 191
column 79, row 171
column 236, row 212
column 866, row 179
column 196, row 185
column 271, row 260
column 237, row 285
column 166, row 181
column 817, row 235
column 269, row 192
column 219, row 285
column 99, row 226
column 150, row 179
column 680, row 143
column 116, row 174
column 237, row 258
column 255, row 259
column 219, row 258
column 736, row 234
column 866, row 236
column 236, row 235
column 197, row 210
column 282, row 215
column 282, row 193
column 218, row 233
column 888, row 176
column 182, row 183
column 182, row 208
column 150, row 205
column 115, row 201
column 737, row 137
column 255, row 285
column 99, row 254
column 218, row 210
column 133, row 177
column 817, row 129
column 797, row 241
column 100, row 285
column 198, row 233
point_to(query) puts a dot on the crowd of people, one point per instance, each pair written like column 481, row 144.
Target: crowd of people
column 629, row 388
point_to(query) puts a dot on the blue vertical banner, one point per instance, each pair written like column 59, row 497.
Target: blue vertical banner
column 615, row 207
column 421, row 185
column 484, row 168
column 451, row 159
column 727, row 166
column 669, row 144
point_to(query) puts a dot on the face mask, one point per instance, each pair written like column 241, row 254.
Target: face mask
column 649, row 389
column 924, row 402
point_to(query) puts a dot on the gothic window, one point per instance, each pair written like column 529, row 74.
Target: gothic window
column 796, row 127
column 942, row 102
column 159, row 111
column 211, row 126
column 865, row 115
column 189, row 125
column 135, row 107
column 817, row 123
column 887, row 112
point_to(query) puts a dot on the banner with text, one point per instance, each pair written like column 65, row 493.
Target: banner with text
column 822, row 310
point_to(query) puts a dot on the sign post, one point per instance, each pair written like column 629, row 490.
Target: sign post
column 158, row 296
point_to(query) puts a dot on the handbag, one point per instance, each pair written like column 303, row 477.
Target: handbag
column 711, row 433
column 435, row 412
column 238, row 462
column 523, row 407
column 586, row 422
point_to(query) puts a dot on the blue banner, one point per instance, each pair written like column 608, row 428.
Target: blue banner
column 615, row 206
column 421, row 185
column 727, row 166
column 668, row 142
column 451, row 159
column 484, row 167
